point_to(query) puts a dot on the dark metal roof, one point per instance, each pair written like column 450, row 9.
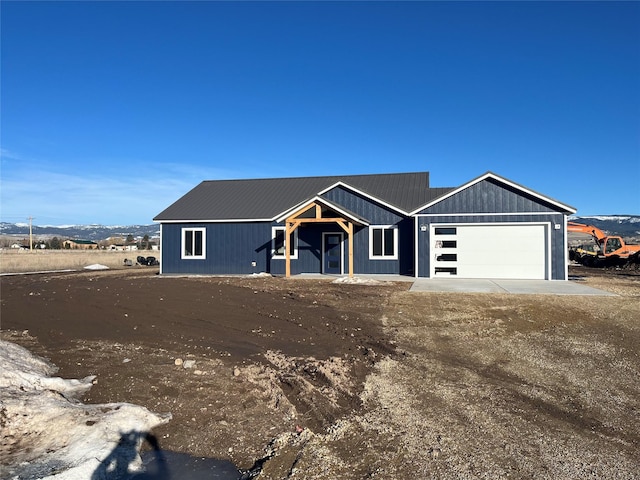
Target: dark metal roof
column 264, row 199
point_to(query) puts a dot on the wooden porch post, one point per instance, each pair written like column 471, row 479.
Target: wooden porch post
column 287, row 248
column 348, row 227
column 293, row 221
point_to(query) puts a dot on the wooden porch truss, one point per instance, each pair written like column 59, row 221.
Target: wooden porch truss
column 293, row 221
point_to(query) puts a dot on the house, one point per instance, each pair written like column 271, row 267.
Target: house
column 79, row 244
column 490, row 227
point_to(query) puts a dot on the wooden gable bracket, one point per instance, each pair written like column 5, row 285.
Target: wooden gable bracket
column 292, row 222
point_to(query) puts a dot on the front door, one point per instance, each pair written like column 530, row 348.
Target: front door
column 332, row 253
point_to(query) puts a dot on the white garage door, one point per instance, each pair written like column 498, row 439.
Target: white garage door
column 489, row 251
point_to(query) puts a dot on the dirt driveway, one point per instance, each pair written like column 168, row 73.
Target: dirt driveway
column 382, row 382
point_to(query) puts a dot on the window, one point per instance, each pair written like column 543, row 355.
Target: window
column 383, row 242
column 445, row 231
column 447, row 270
column 278, row 241
column 193, row 243
column 446, row 244
column 613, row 244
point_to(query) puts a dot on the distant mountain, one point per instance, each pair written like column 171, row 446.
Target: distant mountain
column 81, row 232
column 626, row 226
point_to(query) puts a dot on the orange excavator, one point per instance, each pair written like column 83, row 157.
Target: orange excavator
column 604, row 251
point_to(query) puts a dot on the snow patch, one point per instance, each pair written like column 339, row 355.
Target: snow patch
column 611, row 218
column 357, row 280
column 96, row 266
column 48, row 434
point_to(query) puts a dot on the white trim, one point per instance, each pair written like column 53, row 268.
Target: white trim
column 342, row 250
column 274, row 256
column 395, row 242
column 548, row 250
column 326, row 203
column 227, row 220
column 183, row 232
column 505, row 214
column 470, row 224
column 499, row 179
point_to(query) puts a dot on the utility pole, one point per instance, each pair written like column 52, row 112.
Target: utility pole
column 30, row 234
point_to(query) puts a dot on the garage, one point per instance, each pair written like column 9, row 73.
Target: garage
column 491, row 227
column 516, row 250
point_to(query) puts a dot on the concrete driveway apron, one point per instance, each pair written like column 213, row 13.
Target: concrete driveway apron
column 480, row 285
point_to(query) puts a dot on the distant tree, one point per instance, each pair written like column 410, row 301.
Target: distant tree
column 55, row 243
column 130, row 239
column 145, row 242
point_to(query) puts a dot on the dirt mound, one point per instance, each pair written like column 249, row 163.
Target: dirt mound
column 322, row 380
column 257, row 356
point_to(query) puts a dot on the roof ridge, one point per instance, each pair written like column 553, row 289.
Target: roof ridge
column 305, row 177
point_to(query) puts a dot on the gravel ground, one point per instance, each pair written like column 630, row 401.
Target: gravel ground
column 353, row 381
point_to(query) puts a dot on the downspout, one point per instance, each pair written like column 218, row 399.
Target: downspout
column 565, row 245
column 161, row 249
column 416, row 249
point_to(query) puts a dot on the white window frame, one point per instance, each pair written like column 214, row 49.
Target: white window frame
column 183, row 253
column 395, row 242
column 283, row 256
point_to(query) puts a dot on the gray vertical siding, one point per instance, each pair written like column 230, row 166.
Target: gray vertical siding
column 490, row 196
column 376, row 214
column 309, row 252
column 230, row 248
column 494, row 198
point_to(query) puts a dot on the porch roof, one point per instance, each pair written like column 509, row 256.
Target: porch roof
column 349, row 215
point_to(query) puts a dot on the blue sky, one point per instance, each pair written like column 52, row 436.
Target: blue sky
column 113, row 110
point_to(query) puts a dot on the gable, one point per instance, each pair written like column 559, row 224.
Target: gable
column 375, row 211
column 326, row 206
column 492, row 194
